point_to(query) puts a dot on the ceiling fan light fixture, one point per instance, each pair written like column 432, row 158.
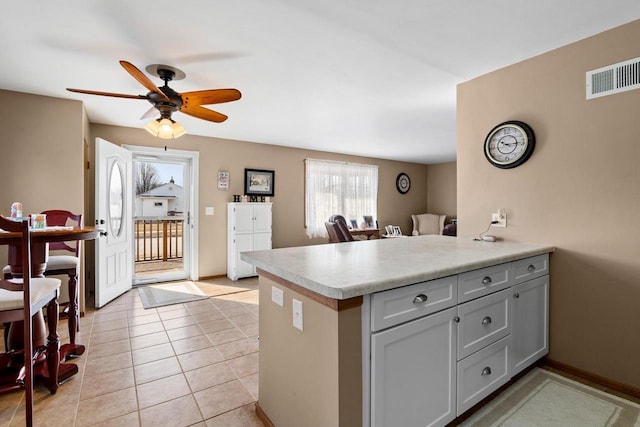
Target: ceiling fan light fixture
column 165, row 128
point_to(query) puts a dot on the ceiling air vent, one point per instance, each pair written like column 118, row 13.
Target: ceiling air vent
column 615, row 78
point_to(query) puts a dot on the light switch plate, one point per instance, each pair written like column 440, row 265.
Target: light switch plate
column 208, row 210
column 297, row 314
column 277, row 296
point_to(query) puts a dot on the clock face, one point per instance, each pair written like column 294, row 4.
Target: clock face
column 509, row 144
column 403, row 183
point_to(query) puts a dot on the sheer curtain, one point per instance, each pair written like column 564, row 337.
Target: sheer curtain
column 348, row 189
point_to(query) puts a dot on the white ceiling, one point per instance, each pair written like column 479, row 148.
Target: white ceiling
column 365, row 77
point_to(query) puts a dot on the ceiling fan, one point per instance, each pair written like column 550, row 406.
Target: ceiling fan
column 166, row 101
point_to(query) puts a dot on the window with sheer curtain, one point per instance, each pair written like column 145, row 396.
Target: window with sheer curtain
column 347, row 189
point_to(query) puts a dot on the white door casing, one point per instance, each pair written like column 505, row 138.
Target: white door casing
column 114, row 248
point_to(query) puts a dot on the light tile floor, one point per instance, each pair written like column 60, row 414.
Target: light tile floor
column 191, row 364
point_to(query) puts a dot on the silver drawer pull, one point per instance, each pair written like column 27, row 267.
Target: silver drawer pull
column 486, row 371
column 516, row 295
column 456, row 319
column 420, row 298
column 531, row 267
column 486, row 320
column 486, row 280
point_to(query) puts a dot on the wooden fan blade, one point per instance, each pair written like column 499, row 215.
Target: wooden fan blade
column 151, row 112
column 144, row 80
column 213, row 96
column 203, row 113
column 115, row 95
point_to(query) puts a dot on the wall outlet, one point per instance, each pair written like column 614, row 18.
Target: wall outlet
column 297, row 314
column 277, row 296
column 501, row 217
column 208, row 210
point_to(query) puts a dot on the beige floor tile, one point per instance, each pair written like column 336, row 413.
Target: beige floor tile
column 191, row 344
column 179, row 322
column 245, row 416
column 162, row 390
column 209, row 376
column 108, row 349
column 148, row 328
column 110, row 325
column 250, row 330
column 149, row 354
column 109, row 336
column 140, row 312
column 201, row 308
column 128, row 420
column 235, row 349
column 212, row 313
column 244, row 365
column 250, row 382
column 228, row 335
column 244, row 319
column 185, row 332
column 234, row 309
column 144, row 320
column 149, row 340
column 222, row 398
column 175, row 413
column 158, row 369
column 199, row 358
column 107, row 317
column 106, row 407
column 216, row 325
column 173, row 312
column 54, row 416
column 107, row 383
column 101, row 365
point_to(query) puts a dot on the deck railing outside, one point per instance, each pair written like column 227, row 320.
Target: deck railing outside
column 158, row 238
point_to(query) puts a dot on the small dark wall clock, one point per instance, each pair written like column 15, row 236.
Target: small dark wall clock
column 403, row 183
column 509, row 144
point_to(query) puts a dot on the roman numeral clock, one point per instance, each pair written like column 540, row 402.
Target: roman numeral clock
column 509, row 144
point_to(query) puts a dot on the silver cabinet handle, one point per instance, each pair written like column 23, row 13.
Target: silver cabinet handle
column 516, row 295
column 420, row 298
column 531, row 267
column 456, row 319
column 486, row 320
column 486, row 371
column 486, row 280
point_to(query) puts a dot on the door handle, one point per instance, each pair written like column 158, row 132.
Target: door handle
column 103, row 233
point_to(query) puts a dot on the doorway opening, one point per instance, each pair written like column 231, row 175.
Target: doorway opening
column 163, row 224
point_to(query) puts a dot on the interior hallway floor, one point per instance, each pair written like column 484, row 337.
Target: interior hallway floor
column 191, row 364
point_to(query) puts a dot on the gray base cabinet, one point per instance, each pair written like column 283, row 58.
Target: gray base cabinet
column 435, row 349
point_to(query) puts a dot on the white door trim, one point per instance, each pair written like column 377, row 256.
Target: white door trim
column 152, row 153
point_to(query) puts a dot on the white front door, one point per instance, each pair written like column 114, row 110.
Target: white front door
column 114, row 177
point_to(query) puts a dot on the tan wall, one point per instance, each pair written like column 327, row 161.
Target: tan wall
column 311, row 377
column 41, row 158
column 288, row 208
column 578, row 192
column 442, row 189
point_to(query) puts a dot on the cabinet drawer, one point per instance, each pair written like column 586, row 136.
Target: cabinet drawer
column 399, row 305
column 484, row 281
column 483, row 321
column 530, row 268
column 482, row 373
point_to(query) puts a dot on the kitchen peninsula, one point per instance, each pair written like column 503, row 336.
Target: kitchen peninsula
column 395, row 332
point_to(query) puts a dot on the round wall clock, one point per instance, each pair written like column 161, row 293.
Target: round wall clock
column 403, row 183
column 509, row 144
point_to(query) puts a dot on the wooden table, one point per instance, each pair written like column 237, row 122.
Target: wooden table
column 369, row 232
column 39, row 254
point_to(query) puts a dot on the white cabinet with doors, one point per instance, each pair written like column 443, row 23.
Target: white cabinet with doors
column 248, row 229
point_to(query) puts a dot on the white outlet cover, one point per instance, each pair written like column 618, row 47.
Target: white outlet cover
column 297, row 314
column 277, row 296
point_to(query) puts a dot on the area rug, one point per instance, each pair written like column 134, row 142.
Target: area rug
column 158, row 295
column 544, row 399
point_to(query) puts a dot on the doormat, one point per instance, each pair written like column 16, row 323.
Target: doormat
column 545, row 399
column 159, row 295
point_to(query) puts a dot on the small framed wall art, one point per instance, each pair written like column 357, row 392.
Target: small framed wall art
column 259, row 182
column 223, row 180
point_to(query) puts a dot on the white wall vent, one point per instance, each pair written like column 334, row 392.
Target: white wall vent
column 615, row 78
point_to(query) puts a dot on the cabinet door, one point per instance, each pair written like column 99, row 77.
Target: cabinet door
column 243, row 243
column 261, row 241
column 413, row 372
column 244, row 218
column 262, row 218
column 530, row 327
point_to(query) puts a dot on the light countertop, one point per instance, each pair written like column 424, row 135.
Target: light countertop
column 351, row 269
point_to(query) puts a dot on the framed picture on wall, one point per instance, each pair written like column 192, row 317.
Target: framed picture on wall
column 223, row 180
column 259, row 182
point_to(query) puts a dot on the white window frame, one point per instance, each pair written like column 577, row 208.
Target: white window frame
column 331, row 187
